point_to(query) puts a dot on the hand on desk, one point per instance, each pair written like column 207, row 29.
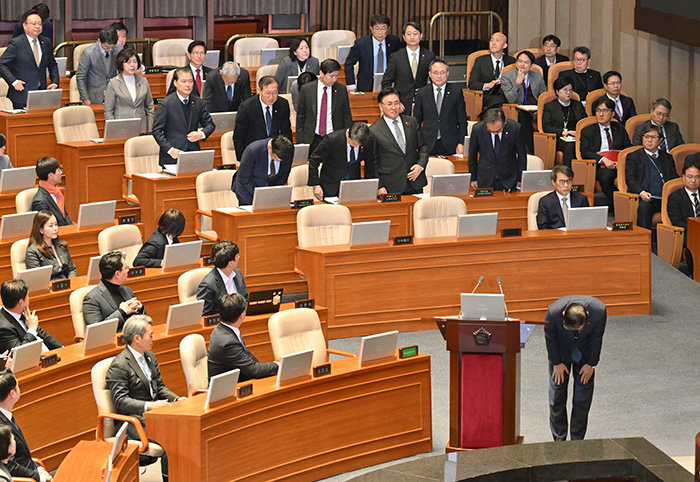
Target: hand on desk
column 586, row 373
column 381, row 190
column 475, row 185
column 155, row 404
column 460, row 149
column 558, row 372
column 130, row 306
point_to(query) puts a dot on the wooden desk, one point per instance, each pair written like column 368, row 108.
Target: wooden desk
column 157, row 84
column 7, row 203
column 693, row 244
column 364, row 107
column 461, row 163
column 375, row 289
column 267, row 239
column 353, row 418
column 89, row 461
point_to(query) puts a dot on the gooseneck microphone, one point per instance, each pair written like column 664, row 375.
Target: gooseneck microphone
column 481, row 280
column 500, row 287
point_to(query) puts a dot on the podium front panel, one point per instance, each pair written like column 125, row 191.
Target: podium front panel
column 482, row 400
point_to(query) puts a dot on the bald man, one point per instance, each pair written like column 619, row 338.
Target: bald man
column 486, row 73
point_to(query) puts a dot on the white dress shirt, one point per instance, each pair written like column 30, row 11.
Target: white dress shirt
column 604, row 138
column 329, row 110
column 130, row 82
column 228, row 281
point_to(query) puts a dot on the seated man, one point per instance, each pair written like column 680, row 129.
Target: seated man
column 624, row 106
column 582, row 78
column 97, row 65
column 497, row 152
column 134, row 379
column 18, row 325
column 227, row 351
column 550, row 45
column 224, row 278
column 265, row 162
column 685, row 203
column 486, row 72
column 553, row 209
column 670, row 132
column 49, row 196
column 339, row 154
column 110, row 298
column 226, row 88
column 646, row 171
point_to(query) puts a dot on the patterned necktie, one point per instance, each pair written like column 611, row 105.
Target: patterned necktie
column 618, row 108
column 268, row 120
column 273, row 170
column 438, row 100
column 229, row 92
column 497, row 73
column 35, row 48
column 400, row 139
column 414, row 65
column 198, row 79
column 609, row 137
column 323, row 113
column 663, row 144
column 565, row 210
column 696, row 207
column 380, row 60
column 524, row 92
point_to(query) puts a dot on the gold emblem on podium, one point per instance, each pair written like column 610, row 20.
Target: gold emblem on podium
column 482, row 337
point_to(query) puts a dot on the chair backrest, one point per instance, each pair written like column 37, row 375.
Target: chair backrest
column 470, row 125
column 5, row 103
column 188, row 282
column 669, row 187
column 682, row 151
column 635, row 121
column 534, row 163
column 76, row 309
column 533, row 204
column 536, row 52
column 171, row 52
column 23, row 199
column 471, row 58
column 621, row 163
column 437, row 216
column 298, row 177
column 141, row 155
column 228, row 152
column 292, row 110
column 193, row 356
column 246, row 51
column 125, row 238
column 73, row 93
column 264, row 70
column 297, row 330
column 595, row 95
column 103, row 397
column 324, row 43
column 555, row 70
column 534, row 67
column 168, row 79
column 77, row 53
column 74, row 123
column 213, row 191
column 18, row 252
column 437, row 165
column 580, row 125
column 543, row 99
column 323, row 225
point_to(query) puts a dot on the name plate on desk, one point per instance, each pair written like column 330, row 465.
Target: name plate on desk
column 48, row 360
column 244, row 391
column 302, row 203
column 408, row 351
column 226, row 167
column 128, row 219
column 154, row 70
column 137, row 271
column 70, row 104
column 626, row 226
column 211, row 320
column 399, row 240
column 483, row 192
column 392, row 197
column 510, row 232
column 60, row 284
column 310, row 303
column 322, row 370
column 577, row 188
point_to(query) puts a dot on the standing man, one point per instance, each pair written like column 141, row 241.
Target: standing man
column 96, row 66
column 670, row 132
column 486, row 72
column 624, row 106
column 323, row 106
column 372, row 51
column 196, row 55
column 178, row 118
column 49, row 196
column 265, row 162
column 226, row 88
column 553, row 209
column 583, row 79
column 550, row 45
column 23, row 65
column 441, row 113
column 574, row 337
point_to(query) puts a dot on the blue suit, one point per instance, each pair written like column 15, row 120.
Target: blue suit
column 363, row 51
column 252, row 172
column 17, row 63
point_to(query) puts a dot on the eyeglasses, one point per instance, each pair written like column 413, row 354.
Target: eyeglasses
column 615, row 82
column 647, row 136
column 602, row 111
column 198, row 52
column 579, row 60
column 564, row 182
column 392, row 104
column 692, row 178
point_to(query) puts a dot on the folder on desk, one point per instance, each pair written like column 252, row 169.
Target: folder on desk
column 611, row 155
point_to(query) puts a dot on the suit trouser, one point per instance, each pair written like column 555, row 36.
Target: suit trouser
column 606, row 178
column 583, row 396
column 526, row 129
column 646, row 210
column 568, row 150
column 439, row 149
column 133, row 435
column 314, row 143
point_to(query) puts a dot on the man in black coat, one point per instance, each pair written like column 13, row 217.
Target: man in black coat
column 583, row 79
column 226, row 88
column 178, row 118
column 486, row 72
column 224, row 278
column 265, row 162
column 196, row 55
column 372, row 52
column 550, row 45
column 49, row 197
column 685, row 203
column 670, row 132
column 550, row 211
column 624, row 106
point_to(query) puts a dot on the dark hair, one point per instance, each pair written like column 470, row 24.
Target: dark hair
column 438, row 60
column 266, row 80
column 171, row 222
column 223, row 252
column 124, row 55
column 562, row 82
column 196, row 43
column 110, row 263
column 494, row 114
column 282, row 147
column 3, row 140
column 359, row 132
column 108, row 36
column 12, row 292
column 26, row 15
column 294, row 45
column 553, row 38
column 691, row 161
column 8, row 382
column 611, row 73
column 231, row 307
column 661, row 102
column 528, row 54
column 563, row 169
column 119, row 26
column 649, row 128
column 415, row 25
column 305, row 78
column 379, row 18
column 5, row 441
column 603, row 99
column 330, row 65
column 180, row 71
column 583, row 50
column 387, row 91
column 45, row 166
column 574, row 316
column 35, row 237
column 42, row 10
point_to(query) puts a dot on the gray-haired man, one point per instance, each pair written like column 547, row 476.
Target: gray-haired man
column 226, row 88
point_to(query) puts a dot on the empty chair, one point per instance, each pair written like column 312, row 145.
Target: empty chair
column 74, row 123
column 5, row 103
column 268, row 70
column 171, row 52
column 193, row 356
column 140, row 156
column 325, row 43
column 247, row 51
column 533, row 204
column 76, row 311
column 292, row 110
column 682, row 151
column 187, row 284
column 73, row 92
column 437, row 165
column 299, row 177
column 18, row 252
column 125, row 238
column 473, row 98
column 23, row 199
column 534, row 163
column 437, row 216
column 213, row 191
column 323, row 225
column 169, row 79
column 228, row 152
column 77, row 53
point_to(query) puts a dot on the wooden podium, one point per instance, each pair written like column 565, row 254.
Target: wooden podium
column 484, row 382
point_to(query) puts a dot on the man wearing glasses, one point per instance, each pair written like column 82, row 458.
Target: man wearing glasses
column 685, row 203
column 583, row 79
column 196, row 55
column 624, row 106
column 553, row 210
column 670, row 132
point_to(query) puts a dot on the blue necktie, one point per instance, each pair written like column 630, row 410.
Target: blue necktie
column 352, row 161
column 106, row 55
column 268, row 120
column 229, row 92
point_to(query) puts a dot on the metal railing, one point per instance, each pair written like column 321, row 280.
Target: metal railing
column 442, row 15
column 231, row 40
column 74, row 43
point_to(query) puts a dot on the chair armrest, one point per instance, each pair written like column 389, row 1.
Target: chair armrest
column 39, row 462
column 511, row 111
column 545, row 147
column 22, row 479
column 197, row 391
column 333, row 351
column 78, row 339
column 127, row 195
column 584, row 173
column 669, row 241
column 626, row 205
column 123, row 418
column 198, row 224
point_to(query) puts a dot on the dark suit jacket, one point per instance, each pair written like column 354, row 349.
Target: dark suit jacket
column 43, row 201
column 46, row 30
column 212, row 287
column 332, row 151
column 680, row 208
column 553, row 117
column 21, row 464
column 290, row 68
column 195, row 89
column 628, row 109
column 483, row 73
column 35, row 259
column 484, row 166
column 637, row 169
column 550, row 215
column 399, row 75
column 17, row 63
column 560, row 341
column 250, row 123
column 593, row 81
column 98, row 305
column 215, row 97
column 673, row 134
column 542, row 62
column 363, row 51
column 591, row 141
column 152, row 252
column 170, row 127
column 226, row 353
column 307, row 110
column 252, row 172
column 451, row 122
column 12, row 334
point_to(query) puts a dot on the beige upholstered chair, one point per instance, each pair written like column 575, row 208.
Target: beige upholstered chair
column 292, row 110
column 74, row 123
column 473, row 98
column 213, row 191
column 23, row 199
column 297, row 330
column 437, row 165
column 168, row 79
column 77, row 53
column 267, row 70
column 228, row 152
column 76, row 311
column 140, row 156
column 669, row 237
column 555, row 70
column 18, row 252
column 193, row 356
column 534, row 163
column 533, row 204
column 325, row 43
column 171, row 52
column 187, row 284
column 73, row 93
column 470, row 125
column 323, row 225
column 5, row 103
column 299, row 177
column 126, row 238
column 437, row 216
column 246, row 51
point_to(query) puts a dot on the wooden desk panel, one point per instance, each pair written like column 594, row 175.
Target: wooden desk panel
column 395, row 286
column 89, row 458
column 7, row 203
column 364, row 107
column 157, row 84
column 353, row 418
column 693, row 245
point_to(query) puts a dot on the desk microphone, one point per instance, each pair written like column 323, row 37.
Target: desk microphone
column 481, row 280
column 500, row 287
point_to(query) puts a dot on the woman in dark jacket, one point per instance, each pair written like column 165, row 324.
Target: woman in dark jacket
column 170, row 225
column 47, row 249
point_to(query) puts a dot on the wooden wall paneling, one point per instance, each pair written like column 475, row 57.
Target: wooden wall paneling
column 627, row 62
column 641, row 72
column 679, row 79
column 694, row 92
column 168, row 27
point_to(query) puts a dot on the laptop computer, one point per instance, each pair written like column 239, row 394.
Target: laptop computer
column 96, row 214
column 358, row 190
column 191, row 162
column 26, row 356
column 301, row 154
column 272, row 197
column 182, row 254
column 118, row 129
column 17, row 179
column 377, row 85
column 295, row 365
column 342, row 55
column 450, row 185
column 482, row 224
column 44, row 99
column 212, row 59
column 37, row 279
column 16, row 225
column 483, row 306
column 272, row 56
column 222, row 387
column 291, row 83
column 595, row 217
column 376, row 347
column 370, row 232
column 264, row 301
column 184, row 315
column 224, row 121
column 102, row 334
column 93, row 272
column 533, row 181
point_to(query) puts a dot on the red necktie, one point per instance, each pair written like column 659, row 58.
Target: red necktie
column 323, row 113
column 524, row 93
column 198, row 79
